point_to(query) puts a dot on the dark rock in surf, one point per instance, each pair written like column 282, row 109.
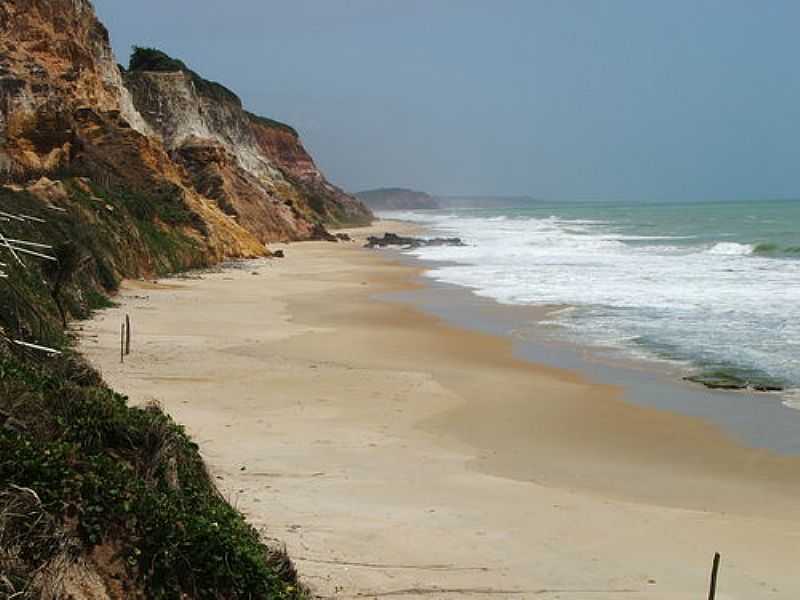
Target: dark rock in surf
column 766, row 387
column 392, row 239
column 718, row 382
column 722, row 380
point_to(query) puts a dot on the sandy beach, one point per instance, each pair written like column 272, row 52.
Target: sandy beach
column 396, row 455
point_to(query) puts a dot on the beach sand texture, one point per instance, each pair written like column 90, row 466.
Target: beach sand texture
column 399, row 456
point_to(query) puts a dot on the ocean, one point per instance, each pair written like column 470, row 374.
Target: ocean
column 710, row 289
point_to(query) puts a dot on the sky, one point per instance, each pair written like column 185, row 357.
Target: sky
column 557, row 99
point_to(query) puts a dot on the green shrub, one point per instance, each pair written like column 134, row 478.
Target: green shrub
column 107, row 472
column 152, row 59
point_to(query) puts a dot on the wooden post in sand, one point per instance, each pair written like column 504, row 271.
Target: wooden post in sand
column 122, row 342
column 127, row 335
column 712, row 592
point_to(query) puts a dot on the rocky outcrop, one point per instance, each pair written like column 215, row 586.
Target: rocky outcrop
column 397, row 199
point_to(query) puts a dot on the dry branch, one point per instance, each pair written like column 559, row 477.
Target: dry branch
column 27, row 243
column 37, row 347
column 11, row 249
column 32, row 253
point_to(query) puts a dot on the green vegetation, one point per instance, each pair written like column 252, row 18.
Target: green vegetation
column 96, row 471
column 160, row 217
column 102, row 237
column 82, row 474
column 155, row 60
column 152, row 59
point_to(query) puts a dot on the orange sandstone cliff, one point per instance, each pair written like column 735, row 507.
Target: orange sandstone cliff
column 178, row 143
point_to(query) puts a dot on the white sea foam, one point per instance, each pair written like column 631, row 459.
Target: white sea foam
column 731, row 248
column 792, row 399
column 707, row 304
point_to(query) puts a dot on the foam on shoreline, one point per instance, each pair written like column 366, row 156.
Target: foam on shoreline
column 641, row 296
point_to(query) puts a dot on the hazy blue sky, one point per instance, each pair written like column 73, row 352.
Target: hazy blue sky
column 558, row 99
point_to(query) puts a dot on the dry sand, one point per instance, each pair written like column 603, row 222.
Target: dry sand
column 398, row 456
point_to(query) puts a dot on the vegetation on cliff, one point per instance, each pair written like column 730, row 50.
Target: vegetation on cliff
column 153, row 59
column 92, row 490
column 98, row 236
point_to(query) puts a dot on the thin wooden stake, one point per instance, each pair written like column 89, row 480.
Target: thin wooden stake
column 27, row 243
column 31, row 252
column 10, row 216
column 712, row 592
column 37, row 347
column 127, row 335
column 34, row 219
column 11, row 249
column 122, row 343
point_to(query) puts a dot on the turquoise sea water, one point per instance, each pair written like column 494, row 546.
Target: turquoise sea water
column 707, row 287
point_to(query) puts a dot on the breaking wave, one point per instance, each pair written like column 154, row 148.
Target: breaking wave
column 669, row 297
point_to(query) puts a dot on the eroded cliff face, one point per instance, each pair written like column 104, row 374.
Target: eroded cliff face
column 54, row 57
column 282, row 146
column 255, row 168
column 264, row 207
column 67, row 111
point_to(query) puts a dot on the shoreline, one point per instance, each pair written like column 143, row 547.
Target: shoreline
column 701, row 373
column 757, row 419
column 365, row 432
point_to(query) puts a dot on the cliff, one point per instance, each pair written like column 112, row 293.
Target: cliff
column 67, row 110
column 107, row 174
column 397, row 199
column 255, row 168
column 65, row 114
